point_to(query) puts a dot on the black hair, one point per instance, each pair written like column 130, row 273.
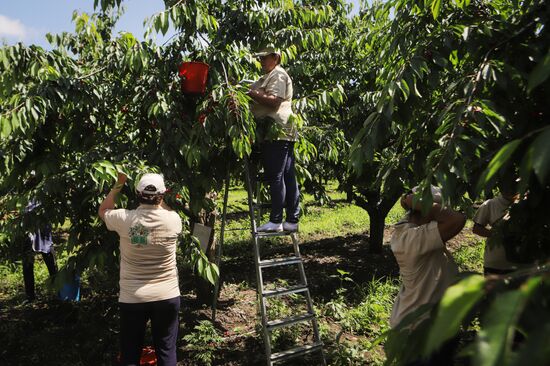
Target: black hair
column 148, row 199
column 507, row 184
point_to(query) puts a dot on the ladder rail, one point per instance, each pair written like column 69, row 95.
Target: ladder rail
column 256, row 245
column 255, row 209
column 309, row 301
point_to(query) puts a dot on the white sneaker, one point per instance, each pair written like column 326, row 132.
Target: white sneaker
column 270, row 227
column 290, row 226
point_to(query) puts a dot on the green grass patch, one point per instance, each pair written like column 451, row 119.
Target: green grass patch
column 335, row 219
column 371, row 315
column 469, row 256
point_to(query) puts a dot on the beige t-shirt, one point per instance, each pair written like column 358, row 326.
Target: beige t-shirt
column 277, row 83
column 489, row 213
column 426, row 267
column 148, row 241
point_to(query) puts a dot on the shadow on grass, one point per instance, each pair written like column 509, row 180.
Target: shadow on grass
column 322, row 260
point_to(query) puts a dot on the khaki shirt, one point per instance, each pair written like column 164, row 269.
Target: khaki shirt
column 426, row 267
column 148, row 241
column 489, row 213
column 277, row 83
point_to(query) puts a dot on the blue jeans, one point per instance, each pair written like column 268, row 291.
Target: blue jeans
column 164, row 328
column 278, row 161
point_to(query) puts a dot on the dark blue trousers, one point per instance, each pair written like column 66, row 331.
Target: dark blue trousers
column 28, row 267
column 278, row 161
column 164, row 328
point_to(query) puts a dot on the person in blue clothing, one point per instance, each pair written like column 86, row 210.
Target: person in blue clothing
column 36, row 241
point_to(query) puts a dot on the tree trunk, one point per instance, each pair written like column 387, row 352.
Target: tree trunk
column 376, row 234
column 377, row 216
column 378, row 208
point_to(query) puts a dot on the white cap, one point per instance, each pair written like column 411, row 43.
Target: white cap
column 436, row 193
column 151, row 184
column 267, row 51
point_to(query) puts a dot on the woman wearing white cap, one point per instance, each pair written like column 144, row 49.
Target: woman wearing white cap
column 149, row 286
column 272, row 101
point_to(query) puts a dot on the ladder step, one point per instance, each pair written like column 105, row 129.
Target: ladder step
column 267, row 234
column 280, row 262
column 286, row 291
column 278, row 323
column 297, row 351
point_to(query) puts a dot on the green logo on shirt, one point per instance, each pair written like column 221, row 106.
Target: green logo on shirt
column 138, row 234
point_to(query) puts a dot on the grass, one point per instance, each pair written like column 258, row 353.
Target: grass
column 337, row 219
column 469, row 257
column 341, row 219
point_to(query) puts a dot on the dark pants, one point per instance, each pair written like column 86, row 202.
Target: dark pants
column 494, row 271
column 444, row 356
column 164, row 328
column 28, row 267
column 278, row 161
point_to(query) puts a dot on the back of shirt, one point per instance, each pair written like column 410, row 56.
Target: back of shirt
column 490, row 213
column 148, row 243
column 425, row 265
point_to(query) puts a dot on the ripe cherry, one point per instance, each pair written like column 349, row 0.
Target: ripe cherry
column 202, row 118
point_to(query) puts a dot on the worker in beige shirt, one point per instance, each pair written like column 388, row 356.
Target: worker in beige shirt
column 149, row 288
column 425, row 265
column 272, row 104
column 489, row 214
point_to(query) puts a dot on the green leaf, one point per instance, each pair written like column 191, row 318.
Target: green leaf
column 19, row 119
column 541, row 155
column 34, row 113
column 164, row 22
column 200, row 266
column 436, row 7
column 453, row 57
column 497, row 162
column 525, row 169
column 212, row 273
column 4, row 59
column 535, row 350
column 404, row 87
column 453, row 307
column 5, row 127
column 155, row 22
column 198, row 19
column 496, row 331
column 14, row 123
column 540, row 73
column 486, row 109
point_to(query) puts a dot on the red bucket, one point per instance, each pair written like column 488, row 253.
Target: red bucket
column 148, row 357
column 194, row 75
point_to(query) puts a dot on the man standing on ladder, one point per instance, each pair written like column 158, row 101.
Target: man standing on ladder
column 272, row 105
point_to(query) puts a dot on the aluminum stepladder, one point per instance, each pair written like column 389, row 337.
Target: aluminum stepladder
column 264, row 294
